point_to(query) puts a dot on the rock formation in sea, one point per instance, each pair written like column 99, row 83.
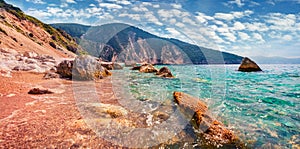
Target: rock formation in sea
column 148, row 68
column 248, row 65
column 213, row 132
column 165, row 73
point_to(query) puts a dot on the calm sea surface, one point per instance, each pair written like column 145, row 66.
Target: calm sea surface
column 263, row 108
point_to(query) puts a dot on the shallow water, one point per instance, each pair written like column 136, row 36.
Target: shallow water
column 261, row 107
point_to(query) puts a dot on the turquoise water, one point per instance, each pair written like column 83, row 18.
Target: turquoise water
column 263, row 108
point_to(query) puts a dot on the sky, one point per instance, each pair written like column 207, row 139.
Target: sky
column 243, row 27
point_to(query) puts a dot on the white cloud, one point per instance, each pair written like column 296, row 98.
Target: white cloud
column 232, row 15
column 202, row 18
column 71, row 1
column 172, row 21
column 258, row 37
column 280, row 21
column 224, row 16
column 54, row 10
column 243, row 36
column 256, row 26
column 189, row 21
column 238, row 26
column 36, row 1
column 123, row 2
column 110, row 6
column 140, row 9
column 38, row 13
column 239, row 3
column 176, row 6
column 229, row 36
column 131, row 16
column 156, row 6
column 173, row 32
column 179, row 24
column 92, row 5
column 287, row 37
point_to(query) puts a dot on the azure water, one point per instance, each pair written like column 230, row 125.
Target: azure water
column 262, row 107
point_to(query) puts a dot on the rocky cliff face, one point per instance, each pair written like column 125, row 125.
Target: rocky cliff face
column 23, row 33
column 125, row 43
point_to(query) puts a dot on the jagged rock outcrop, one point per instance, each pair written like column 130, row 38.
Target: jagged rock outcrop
column 165, row 73
column 213, row 132
column 248, row 65
column 84, row 67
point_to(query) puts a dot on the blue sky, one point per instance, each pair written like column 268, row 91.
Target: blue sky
column 244, row 27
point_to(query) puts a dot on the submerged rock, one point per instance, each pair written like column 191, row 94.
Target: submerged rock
column 38, row 91
column 248, row 65
column 165, row 72
column 213, row 132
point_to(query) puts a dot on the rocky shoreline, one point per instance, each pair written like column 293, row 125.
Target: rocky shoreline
column 44, row 111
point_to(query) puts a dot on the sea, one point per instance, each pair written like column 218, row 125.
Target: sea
column 262, row 108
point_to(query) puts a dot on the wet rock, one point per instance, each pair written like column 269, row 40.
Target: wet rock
column 248, row 65
column 111, row 66
column 136, row 68
column 30, row 54
column 213, row 133
column 38, row 91
column 148, row 68
column 160, row 116
column 165, row 73
column 188, row 102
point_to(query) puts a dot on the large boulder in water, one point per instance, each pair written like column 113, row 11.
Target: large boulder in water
column 148, row 68
column 213, row 132
column 248, row 65
column 164, row 72
column 82, row 68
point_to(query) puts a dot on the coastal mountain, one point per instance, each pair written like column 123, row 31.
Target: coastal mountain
column 276, row 60
column 126, row 43
column 25, row 33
